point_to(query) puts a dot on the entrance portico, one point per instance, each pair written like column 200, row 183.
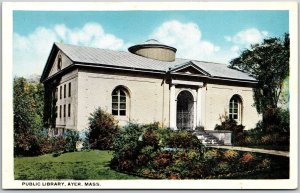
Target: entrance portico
column 185, row 104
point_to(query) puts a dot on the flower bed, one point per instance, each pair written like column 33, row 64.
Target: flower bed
column 154, row 152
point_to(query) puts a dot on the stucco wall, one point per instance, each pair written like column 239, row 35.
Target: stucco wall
column 217, row 99
column 65, row 63
column 162, row 54
column 148, row 97
column 67, row 122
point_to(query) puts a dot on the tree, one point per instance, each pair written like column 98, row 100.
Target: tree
column 28, row 105
column 102, row 130
column 268, row 62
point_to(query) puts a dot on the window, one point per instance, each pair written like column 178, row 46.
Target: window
column 60, row 92
column 65, row 90
column 56, row 109
column 64, row 110
column 69, row 110
column 59, row 63
column 235, row 108
column 60, row 111
column 69, row 89
column 56, row 93
column 119, row 100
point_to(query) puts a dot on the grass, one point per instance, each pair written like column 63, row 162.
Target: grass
column 92, row 165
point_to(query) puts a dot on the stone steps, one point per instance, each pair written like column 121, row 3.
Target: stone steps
column 207, row 139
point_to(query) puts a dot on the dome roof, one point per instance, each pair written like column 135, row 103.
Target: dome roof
column 151, row 43
column 155, row 50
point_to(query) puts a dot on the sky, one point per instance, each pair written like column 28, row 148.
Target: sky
column 214, row 36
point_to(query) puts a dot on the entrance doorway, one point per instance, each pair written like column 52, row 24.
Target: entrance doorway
column 185, row 111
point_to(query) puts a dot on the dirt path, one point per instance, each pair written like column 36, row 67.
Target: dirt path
column 256, row 150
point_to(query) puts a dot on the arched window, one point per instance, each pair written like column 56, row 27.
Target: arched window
column 59, row 63
column 235, row 108
column 120, row 101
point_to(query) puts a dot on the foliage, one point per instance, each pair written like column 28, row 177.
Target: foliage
column 102, row 129
column 84, row 165
column 28, row 105
column 268, row 62
column 71, row 138
column 273, row 131
column 60, row 144
column 231, row 125
column 275, row 120
column 182, row 139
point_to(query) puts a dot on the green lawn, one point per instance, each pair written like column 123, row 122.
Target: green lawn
column 77, row 165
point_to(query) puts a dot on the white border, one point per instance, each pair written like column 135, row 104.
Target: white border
column 8, row 181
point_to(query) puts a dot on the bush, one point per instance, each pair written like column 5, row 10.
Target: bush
column 138, row 146
column 102, row 129
column 231, row 125
column 127, row 145
column 275, row 120
column 71, row 138
column 230, row 155
column 150, row 137
column 183, row 139
column 141, row 149
column 273, row 130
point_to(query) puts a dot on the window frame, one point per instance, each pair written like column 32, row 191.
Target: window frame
column 69, row 110
column 60, row 92
column 69, row 89
column 60, row 108
column 120, row 101
column 56, row 93
column 64, row 110
column 59, row 62
column 65, row 90
column 235, row 108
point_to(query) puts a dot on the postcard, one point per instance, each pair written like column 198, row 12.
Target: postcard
column 150, row 95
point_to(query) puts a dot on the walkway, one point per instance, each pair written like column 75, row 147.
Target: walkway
column 273, row 152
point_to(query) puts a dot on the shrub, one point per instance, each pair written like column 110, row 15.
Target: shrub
column 150, row 137
column 276, row 120
column 127, row 145
column 230, row 155
column 222, row 167
column 183, row 139
column 56, row 154
column 231, row 125
column 212, row 154
column 58, row 144
column 141, row 149
column 163, row 159
column 46, row 146
column 71, row 138
column 102, row 129
column 247, row 158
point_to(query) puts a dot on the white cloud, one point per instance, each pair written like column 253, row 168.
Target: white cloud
column 247, row 37
column 187, row 38
column 243, row 39
column 227, row 38
column 31, row 51
column 235, row 48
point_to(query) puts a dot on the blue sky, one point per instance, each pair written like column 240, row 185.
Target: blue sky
column 216, row 36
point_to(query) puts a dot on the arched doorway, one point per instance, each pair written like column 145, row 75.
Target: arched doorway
column 185, row 110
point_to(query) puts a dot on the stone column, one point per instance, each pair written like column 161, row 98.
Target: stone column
column 172, row 107
column 199, row 110
column 195, row 123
